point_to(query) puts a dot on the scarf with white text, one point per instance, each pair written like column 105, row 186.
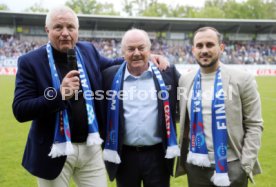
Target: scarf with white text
column 111, row 145
column 198, row 154
column 62, row 138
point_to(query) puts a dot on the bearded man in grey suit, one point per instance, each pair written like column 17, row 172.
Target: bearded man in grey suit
column 220, row 119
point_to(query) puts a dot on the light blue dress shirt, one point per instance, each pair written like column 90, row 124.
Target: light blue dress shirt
column 140, row 107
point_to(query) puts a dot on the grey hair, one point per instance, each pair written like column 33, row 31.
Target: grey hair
column 59, row 9
column 123, row 42
column 202, row 29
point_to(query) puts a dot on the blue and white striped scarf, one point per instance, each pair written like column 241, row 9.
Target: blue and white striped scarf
column 198, row 154
column 62, row 139
column 111, row 145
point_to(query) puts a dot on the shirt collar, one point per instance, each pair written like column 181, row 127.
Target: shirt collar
column 145, row 74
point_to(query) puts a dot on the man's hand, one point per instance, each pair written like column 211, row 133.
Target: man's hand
column 160, row 61
column 70, row 84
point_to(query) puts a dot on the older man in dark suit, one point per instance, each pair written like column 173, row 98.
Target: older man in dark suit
column 141, row 141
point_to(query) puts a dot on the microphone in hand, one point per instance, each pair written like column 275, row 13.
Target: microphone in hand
column 71, row 59
column 71, row 82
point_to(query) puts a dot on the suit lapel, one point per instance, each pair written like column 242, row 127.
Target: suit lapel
column 185, row 84
column 121, row 103
column 190, row 81
column 160, row 102
column 121, row 108
column 225, row 83
column 188, row 86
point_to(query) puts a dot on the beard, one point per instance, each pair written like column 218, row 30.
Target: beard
column 212, row 63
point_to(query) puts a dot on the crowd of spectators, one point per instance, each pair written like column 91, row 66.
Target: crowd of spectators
column 234, row 53
column 179, row 52
column 13, row 48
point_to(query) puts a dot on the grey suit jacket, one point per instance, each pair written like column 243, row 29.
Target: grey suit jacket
column 243, row 115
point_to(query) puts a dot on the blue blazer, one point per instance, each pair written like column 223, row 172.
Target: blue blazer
column 32, row 79
column 170, row 77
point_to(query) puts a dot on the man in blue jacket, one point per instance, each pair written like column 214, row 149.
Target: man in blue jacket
column 56, row 94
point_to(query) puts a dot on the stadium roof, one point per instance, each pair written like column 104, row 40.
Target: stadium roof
column 116, row 23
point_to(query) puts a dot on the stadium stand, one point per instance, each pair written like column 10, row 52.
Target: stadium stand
column 235, row 52
column 248, row 42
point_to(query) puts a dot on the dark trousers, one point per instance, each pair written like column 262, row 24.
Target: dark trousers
column 201, row 176
column 139, row 165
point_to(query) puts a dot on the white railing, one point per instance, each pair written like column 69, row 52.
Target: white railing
column 8, row 67
column 257, row 70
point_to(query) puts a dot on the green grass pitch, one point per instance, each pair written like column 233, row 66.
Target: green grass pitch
column 13, row 138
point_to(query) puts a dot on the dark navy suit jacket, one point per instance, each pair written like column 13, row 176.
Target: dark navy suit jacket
column 33, row 78
column 170, row 77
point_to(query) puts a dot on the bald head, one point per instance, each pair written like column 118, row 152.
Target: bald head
column 134, row 33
